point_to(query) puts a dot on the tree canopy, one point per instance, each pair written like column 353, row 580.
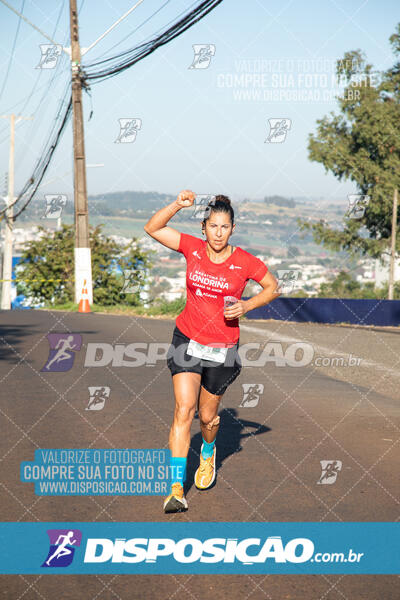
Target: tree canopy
column 362, row 144
column 47, row 267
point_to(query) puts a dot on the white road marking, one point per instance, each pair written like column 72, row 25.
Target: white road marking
column 280, row 337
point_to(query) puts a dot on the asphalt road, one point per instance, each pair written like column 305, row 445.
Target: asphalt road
column 269, row 446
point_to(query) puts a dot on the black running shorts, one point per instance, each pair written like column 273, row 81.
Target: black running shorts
column 215, row 376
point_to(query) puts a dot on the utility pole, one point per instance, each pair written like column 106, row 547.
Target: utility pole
column 8, row 236
column 82, row 254
column 393, row 246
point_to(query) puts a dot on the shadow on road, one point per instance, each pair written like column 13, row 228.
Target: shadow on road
column 17, row 341
column 11, row 337
column 230, row 434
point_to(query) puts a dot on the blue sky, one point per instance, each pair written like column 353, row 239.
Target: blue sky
column 203, row 129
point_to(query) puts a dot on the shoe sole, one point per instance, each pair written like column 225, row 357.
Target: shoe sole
column 175, row 505
column 213, row 478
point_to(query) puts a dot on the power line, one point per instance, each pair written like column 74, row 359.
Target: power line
column 12, row 51
column 41, row 70
column 137, row 28
column 27, row 98
column 131, row 57
column 103, row 35
column 116, row 64
column 28, row 21
column 43, row 162
column 36, row 121
column 60, row 121
column 47, row 85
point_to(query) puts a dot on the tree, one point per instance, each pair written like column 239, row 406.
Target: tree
column 344, row 286
column 362, row 144
column 47, row 267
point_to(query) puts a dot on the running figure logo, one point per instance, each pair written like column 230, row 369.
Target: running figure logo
column 54, row 205
column 251, row 394
column 287, row 280
column 62, row 547
column 128, row 129
column 330, row 470
column 278, row 130
column 97, row 397
column 62, row 351
column 202, row 206
column 50, row 55
column 133, row 281
column 357, row 205
column 203, row 54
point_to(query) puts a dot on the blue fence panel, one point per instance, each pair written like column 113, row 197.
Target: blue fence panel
column 330, row 310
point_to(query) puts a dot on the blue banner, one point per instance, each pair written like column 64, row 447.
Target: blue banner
column 330, row 310
column 208, row 548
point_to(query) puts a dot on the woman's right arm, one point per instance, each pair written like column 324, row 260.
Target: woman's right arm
column 157, row 228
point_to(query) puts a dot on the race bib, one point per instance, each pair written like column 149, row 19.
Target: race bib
column 206, row 352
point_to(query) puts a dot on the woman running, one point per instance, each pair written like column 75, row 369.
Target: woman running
column 203, row 356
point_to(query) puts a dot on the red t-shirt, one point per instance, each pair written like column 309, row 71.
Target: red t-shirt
column 207, row 283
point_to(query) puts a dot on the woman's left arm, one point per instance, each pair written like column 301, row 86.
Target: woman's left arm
column 269, row 292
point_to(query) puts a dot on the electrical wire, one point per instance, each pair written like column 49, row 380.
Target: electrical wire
column 32, row 184
column 46, row 86
column 53, row 139
column 131, row 57
column 12, row 51
column 136, row 29
column 33, row 128
column 110, row 67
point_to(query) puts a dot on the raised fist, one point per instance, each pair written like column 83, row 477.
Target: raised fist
column 185, row 198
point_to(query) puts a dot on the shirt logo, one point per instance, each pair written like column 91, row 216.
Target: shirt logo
column 196, row 254
column 199, row 292
column 234, row 267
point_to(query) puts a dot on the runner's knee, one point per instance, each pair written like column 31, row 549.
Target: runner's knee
column 184, row 413
column 209, row 420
